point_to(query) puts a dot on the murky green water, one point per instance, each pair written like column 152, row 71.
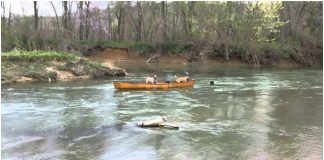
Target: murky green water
column 248, row 114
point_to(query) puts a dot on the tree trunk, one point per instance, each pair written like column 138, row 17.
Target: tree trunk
column 119, row 15
column 65, row 25
column 69, row 19
column 87, row 22
column 152, row 19
column 226, row 52
column 9, row 20
column 140, row 19
column 164, row 29
column 81, row 20
column 191, row 5
column 256, row 61
column 174, row 23
column 109, row 21
column 100, row 26
column 3, row 22
column 57, row 20
column 118, row 25
column 36, row 15
column 184, row 20
column 3, row 14
column 285, row 30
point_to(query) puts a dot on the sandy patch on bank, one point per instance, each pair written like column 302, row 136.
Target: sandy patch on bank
column 109, row 64
column 64, row 75
column 25, row 79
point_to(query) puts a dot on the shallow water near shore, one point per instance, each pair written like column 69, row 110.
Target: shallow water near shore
column 250, row 113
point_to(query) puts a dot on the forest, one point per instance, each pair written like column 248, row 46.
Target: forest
column 254, row 32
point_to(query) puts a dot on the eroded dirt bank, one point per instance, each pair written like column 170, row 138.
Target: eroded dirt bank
column 108, row 56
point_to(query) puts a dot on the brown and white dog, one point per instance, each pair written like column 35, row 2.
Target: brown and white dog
column 151, row 80
column 182, row 79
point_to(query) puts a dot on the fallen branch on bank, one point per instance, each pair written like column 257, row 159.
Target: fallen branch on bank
column 153, row 58
column 301, row 55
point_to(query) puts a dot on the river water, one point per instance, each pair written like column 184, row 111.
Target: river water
column 250, row 113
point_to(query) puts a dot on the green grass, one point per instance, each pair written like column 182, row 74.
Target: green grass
column 95, row 65
column 172, row 48
column 37, row 55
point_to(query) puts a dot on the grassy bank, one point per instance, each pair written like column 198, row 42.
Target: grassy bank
column 22, row 66
column 37, row 55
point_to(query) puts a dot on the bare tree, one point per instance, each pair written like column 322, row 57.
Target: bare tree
column 36, row 15
column 81, row 26
column 87, row 21
column 100, row 25
column 65, row 17
column 9, row 20
column 3, row 22
column 149, row 33
column 184, row 19
column 3, row 13
column 140, row 20
column 109, row 20
column 69, row 18
column 119, row 15
column 191, row 5
column 164, row 19
column 57, row 20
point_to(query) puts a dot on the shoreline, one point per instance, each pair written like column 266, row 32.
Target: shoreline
column 104, row 64
column 111, row 56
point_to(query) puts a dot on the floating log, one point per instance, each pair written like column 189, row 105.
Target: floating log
column 151, row 123
column 169, row 125
column 158, row 122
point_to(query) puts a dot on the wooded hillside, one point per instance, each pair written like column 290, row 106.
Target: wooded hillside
column 256, row 32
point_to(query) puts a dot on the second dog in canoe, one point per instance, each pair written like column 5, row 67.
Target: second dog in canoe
column 182, row 79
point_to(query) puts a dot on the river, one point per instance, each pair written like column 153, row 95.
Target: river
column 250, row 113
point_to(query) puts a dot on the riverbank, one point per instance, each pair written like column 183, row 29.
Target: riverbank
column 114, row 55
column 99, row 61
column 37, row 66
column 274, row 54
column 265, row 55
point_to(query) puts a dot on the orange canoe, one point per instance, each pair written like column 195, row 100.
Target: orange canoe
column 161, row 85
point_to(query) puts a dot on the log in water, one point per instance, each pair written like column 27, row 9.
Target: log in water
column 158, row 122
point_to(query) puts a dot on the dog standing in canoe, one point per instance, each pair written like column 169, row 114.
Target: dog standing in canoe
column 152, row 80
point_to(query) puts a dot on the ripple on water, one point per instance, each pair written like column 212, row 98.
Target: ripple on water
column 242, row 117
column 16, row 142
